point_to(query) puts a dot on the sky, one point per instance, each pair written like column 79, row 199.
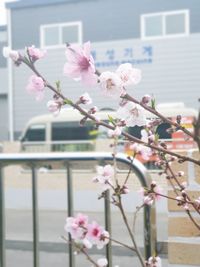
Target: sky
column 3, row 12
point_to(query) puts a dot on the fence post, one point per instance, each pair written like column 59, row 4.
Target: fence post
column 70, row 211
column 35, row 217
column 2, row 221
column 108, row 227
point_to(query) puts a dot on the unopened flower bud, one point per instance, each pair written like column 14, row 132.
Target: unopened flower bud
column 125, row 189
column 146, row 99
column 163, row 144
column 178, row 119
column 85, row 99
column 93, row 110
column 9, row 53
column 151, row 138
column 180, row 173
column 186, row 207
column 183, row 193
column 153, row 184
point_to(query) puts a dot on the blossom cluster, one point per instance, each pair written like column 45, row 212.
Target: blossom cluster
column 85, row 233
column 80, row 66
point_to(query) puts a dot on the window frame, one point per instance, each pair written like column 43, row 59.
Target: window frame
column 35, row 126
column 3, row 34
column 186, row 12
column 60, row 26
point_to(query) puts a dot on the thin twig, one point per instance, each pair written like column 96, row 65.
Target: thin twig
column 130, row 232
column 125, row 134
column 155, row 112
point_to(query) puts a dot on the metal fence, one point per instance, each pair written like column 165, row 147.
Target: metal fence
column 69, row 161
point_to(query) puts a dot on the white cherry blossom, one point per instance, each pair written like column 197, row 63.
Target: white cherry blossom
column 133, row 114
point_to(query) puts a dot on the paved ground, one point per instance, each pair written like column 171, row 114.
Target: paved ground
column 53, row 249
column 52, row 214
column 23, row 259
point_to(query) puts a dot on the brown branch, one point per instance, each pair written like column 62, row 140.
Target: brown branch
column 130, row 232
column 155, row 112
column 85, row 113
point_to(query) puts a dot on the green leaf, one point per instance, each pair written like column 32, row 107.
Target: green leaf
column 111, row 120
column 26, row 60
column 68, row 102
column 153, row 103
column 58, row 86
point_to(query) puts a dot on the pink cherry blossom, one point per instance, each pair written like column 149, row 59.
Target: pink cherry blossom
column 97, row 235
column 102, row 262
column 107, row 170
column 77, row 226
column 180, row 173
column 132, row 113
column 197, row 201
column 35, row 53
column 9, row 53
column 149, row 196
column 115, row 133
column 93, row 110
column 104, row 175
column 86, row 99
column 154, row 262
column 103, row 240
column 36, row 86
column 94, row 231
column 54, row 106
column 128, row 74
column 146, row 99
column 80, row 64
column 144, row 151
column 125, row 189
column 110, row 84
column 148, row 200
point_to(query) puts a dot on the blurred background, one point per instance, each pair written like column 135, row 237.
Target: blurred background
column 160, row 37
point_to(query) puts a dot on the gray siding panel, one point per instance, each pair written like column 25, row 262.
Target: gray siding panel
column 3, row 118
column 3, row 60
column 103, row 20
column 172, row 76
column 3, row 81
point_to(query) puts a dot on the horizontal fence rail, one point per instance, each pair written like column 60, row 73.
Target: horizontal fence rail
column 68, row 161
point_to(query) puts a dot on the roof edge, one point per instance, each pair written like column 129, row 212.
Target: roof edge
column 24, row 3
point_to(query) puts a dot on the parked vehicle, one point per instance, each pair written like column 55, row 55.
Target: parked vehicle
column 64, row 133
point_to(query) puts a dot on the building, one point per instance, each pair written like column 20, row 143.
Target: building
column 160, row 37
column 3, row 87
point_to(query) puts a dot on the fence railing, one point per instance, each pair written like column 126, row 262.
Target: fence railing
column 69, row 161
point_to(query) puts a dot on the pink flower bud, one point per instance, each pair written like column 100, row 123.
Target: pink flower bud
column 115, row 133
column 93, row 110
column 181, row 173
column 125, row 189
column 102, row 262
column 54, row 106
column 8, row 53
column 85, row 99
column 146, row 99
column 36, row 86
column 35, row 53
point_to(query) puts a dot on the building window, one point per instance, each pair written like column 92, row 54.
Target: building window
column 54, row 35
column 35, row 133
column 165, row 24
column 3, row 36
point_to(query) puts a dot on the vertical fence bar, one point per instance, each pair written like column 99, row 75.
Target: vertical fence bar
column 2, row 221
column 35, row 218
column 107, row 215
column 70, row 211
